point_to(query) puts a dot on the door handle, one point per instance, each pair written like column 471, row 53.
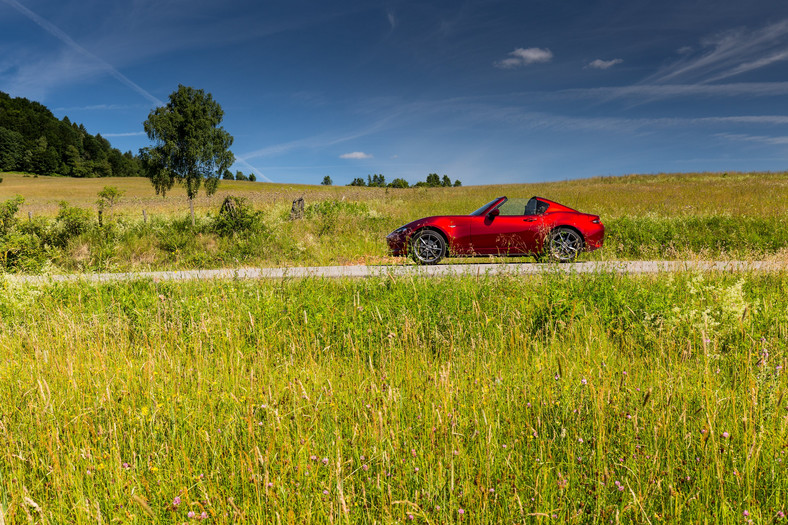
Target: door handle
column 529, row 219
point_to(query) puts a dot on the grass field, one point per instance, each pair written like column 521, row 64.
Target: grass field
column 475, row 400
column 738, row 215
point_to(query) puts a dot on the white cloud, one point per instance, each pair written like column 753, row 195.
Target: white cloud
column 522, row 57
column 604, row 64
column 356, row 155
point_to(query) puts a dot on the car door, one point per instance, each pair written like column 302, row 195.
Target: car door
column 510, row 233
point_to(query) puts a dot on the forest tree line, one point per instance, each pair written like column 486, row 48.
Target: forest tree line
column 33, row 140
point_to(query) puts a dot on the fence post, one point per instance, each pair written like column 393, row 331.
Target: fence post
column 30, row 216
column 144, row 217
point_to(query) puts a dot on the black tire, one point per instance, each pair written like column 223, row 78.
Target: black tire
column 427, row 247
column 563, row 245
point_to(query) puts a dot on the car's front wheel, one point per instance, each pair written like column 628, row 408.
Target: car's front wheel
column 427, row 247
column 563, row 245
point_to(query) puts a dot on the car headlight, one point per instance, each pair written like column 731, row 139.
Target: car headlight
column 399, row 230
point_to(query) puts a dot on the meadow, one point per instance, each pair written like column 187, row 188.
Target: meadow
column 578, row 399
column 666, row 216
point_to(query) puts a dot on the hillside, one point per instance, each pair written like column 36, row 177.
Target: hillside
column 33, row 140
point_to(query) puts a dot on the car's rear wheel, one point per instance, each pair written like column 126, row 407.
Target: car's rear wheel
column 427, row 247
column 563, row 245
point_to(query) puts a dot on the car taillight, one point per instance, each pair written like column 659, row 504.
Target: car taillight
column 596, row 221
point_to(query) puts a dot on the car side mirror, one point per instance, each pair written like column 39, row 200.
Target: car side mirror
column 496, row 212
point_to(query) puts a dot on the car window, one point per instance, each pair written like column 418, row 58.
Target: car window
column 481, row 210
column 513, row 207
column 536, row 207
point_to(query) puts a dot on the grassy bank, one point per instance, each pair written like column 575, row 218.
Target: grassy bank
column 660, row 216
column 554, row 398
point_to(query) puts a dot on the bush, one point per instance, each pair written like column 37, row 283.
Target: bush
column 8, row 211
column 69, row 223
column 236, row 217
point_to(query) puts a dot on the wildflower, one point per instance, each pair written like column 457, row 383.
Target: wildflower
column 437, row 508
column 780, row 514
column 176, row 501
column 492, row 491
column 270, row 485
column 557, row 377
column 313, row 457
column 410, row 517
column 579, row 440
column 746, row 513
column 460, row 511
column 583, row 381
column 325, row 492
column 726, row 435
column 126, row 466
column 191, row 514
column 325, row 461
column 416, row 469
column 204, row 515
column 365, row 467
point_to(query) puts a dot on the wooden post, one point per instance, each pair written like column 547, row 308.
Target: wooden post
column 144, row 217
column 191, row 208
column 30, row 216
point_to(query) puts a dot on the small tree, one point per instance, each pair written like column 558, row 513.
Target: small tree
column 327, row 181
column 239, row 175
column 228, row 175
column 446, row 181
column 358, row 181
column 399, row 183
column 190, row 145
column 457, row 183
column 108, row 197
column 433, row 180
column 252, row 177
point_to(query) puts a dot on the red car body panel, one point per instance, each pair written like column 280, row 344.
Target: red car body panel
column 511, row 235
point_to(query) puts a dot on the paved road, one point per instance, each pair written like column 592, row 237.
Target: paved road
column 629, row 267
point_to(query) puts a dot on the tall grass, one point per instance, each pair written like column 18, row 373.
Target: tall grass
column 460, row 400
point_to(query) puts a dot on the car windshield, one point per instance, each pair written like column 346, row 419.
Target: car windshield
column 481, row 210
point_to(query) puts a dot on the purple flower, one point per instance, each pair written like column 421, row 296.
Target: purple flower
column 746, row 513
column 583, row 381
column 204, row 515
column 191, row 514
column 176, row 501
column 726, row 436
column 460, row 511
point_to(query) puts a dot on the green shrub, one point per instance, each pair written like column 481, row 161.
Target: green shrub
column 69, row 223
column 8, row 211
column 236, row 217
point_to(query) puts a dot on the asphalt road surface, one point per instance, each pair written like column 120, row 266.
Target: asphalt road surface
column 627, row 267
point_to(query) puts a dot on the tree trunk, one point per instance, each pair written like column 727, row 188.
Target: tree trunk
column 191, row 208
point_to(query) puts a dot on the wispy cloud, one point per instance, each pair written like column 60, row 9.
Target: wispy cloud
column 663, row 91
column 97, row 107
column 524, row 56
column 772, row 141
column 393, row 22
column 604, row 64
column 729, row 54
column 63, row 37
column 127, row 134
column 356, row 155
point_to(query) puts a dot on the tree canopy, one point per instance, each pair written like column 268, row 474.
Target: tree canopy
column 190, row 146
column 33, row 140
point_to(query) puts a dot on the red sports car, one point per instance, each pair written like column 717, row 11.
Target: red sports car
column 510, row 227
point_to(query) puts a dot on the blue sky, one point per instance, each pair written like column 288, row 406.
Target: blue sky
column 484, row 91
